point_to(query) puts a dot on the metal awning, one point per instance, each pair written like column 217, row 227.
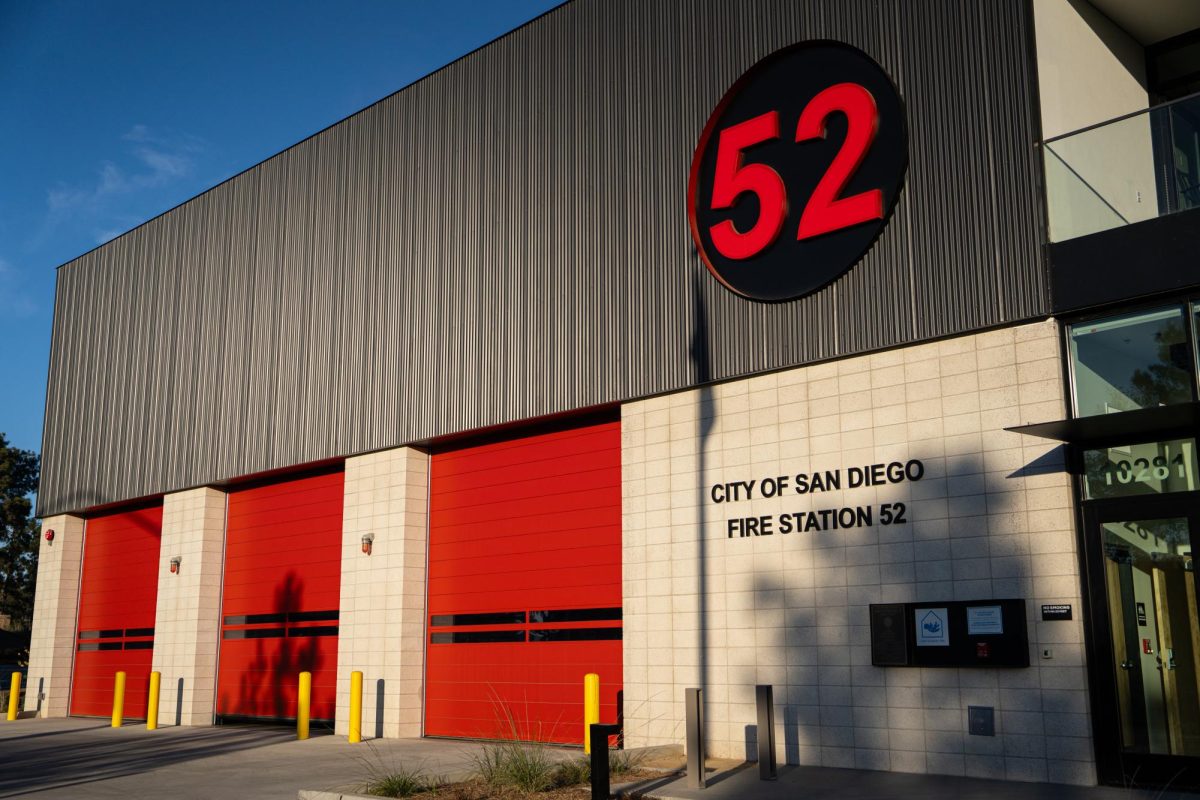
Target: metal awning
column 1122, row 427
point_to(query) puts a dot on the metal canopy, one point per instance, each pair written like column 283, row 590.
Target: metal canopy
column 1145, row 423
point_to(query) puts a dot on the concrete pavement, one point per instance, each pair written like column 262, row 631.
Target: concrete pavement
column 84, row 759
column 825, row 783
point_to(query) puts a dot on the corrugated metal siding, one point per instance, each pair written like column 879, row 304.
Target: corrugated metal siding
column 507, row 238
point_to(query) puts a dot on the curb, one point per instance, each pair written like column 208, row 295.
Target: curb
column 621, row 790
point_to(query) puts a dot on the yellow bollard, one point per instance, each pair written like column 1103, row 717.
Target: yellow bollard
column 14, row 696
column 118, row 700
column 591, row 707
column 355, row 707
column 152, row 702
column 303, row 705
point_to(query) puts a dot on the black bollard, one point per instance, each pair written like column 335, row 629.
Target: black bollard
column 598, row 739
column 766, row 732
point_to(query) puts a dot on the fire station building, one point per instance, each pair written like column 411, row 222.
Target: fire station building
column 843, row 346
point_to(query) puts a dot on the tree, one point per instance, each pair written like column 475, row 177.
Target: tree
column 18, row 533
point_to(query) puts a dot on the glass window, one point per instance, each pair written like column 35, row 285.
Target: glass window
column 1196, row 332
column 1132, row 361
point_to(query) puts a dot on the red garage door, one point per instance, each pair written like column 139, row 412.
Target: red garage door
column 279, row 610
column 117, row 592
column 524, row 585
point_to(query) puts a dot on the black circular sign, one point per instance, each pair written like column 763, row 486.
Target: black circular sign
column 797, row 170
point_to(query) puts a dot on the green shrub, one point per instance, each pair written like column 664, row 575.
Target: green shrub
column 578, row 771
column 527, row 767
column 573, row 773
column 399, row 784
column 623, row 762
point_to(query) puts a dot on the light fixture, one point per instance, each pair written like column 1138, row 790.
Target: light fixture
column 175, row 564
column 50, row 535
column 367, row 540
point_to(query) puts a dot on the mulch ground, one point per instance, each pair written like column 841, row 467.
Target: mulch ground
column 479, row 790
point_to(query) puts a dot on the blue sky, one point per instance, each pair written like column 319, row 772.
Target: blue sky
column 113, row 112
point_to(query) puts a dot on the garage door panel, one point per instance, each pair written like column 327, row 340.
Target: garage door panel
column 264, row 521
column 258, row 535
column 530, row 543
column 535, row 450
column 117, row 594
column 250, row 563
column 538, row 692
column 549, row 597
column 259, row 677
column 541, row 591
column 270, row 499
column 459, row 569
column 536, row 521
column 279, row 605
column 563, row 505
column 586, row 480
column 524, row 527
column 95, row 671
column 587, row 467
column 598, row 520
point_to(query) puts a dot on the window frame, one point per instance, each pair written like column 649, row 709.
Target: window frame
column 1190, row 306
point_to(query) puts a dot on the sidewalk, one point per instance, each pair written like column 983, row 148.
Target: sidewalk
column 825, row 783
column 86, row 759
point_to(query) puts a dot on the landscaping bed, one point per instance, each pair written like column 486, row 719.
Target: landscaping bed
column 512, row 771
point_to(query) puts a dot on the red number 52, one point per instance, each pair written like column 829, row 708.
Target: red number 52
column 825, row 210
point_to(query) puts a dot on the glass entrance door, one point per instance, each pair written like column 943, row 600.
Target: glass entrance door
column 1144, row 584
column 1152, row 610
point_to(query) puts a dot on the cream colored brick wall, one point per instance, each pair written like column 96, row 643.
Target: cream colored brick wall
column 992, row 518
column 382, row 621
column 55, row 611
column 188, row 614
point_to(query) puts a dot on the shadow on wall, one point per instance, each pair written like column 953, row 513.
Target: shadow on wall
column 269, row 680
column 964, row 541
column 701, row 362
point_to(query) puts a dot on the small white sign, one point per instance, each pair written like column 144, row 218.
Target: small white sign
column 984, row 620
column 933, row 627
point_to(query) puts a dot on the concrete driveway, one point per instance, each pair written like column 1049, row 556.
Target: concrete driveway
column 86, row 758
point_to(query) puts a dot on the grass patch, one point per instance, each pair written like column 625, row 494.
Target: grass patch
column 573, row 773
column 404, row 783
column 394, row 779
column 527, row 767
column 623, row 762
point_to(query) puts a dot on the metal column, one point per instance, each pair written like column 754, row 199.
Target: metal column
column 694, row 712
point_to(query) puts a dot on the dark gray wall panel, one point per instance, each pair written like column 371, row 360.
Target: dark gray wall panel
column 507, row 239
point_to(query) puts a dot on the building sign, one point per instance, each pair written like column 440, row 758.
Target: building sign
column 1140, row 469
column 816, row 517
column 1056, row 612
column 797, row 171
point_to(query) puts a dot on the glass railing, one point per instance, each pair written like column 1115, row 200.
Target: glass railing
column 1130, row 169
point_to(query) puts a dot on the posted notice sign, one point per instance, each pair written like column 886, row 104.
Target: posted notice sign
column 933, row 627
column 984, row 621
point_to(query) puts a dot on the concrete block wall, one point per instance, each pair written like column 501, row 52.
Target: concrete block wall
column 55, row 611
column 992, row 517
column 382, row 620
column 187, row 624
